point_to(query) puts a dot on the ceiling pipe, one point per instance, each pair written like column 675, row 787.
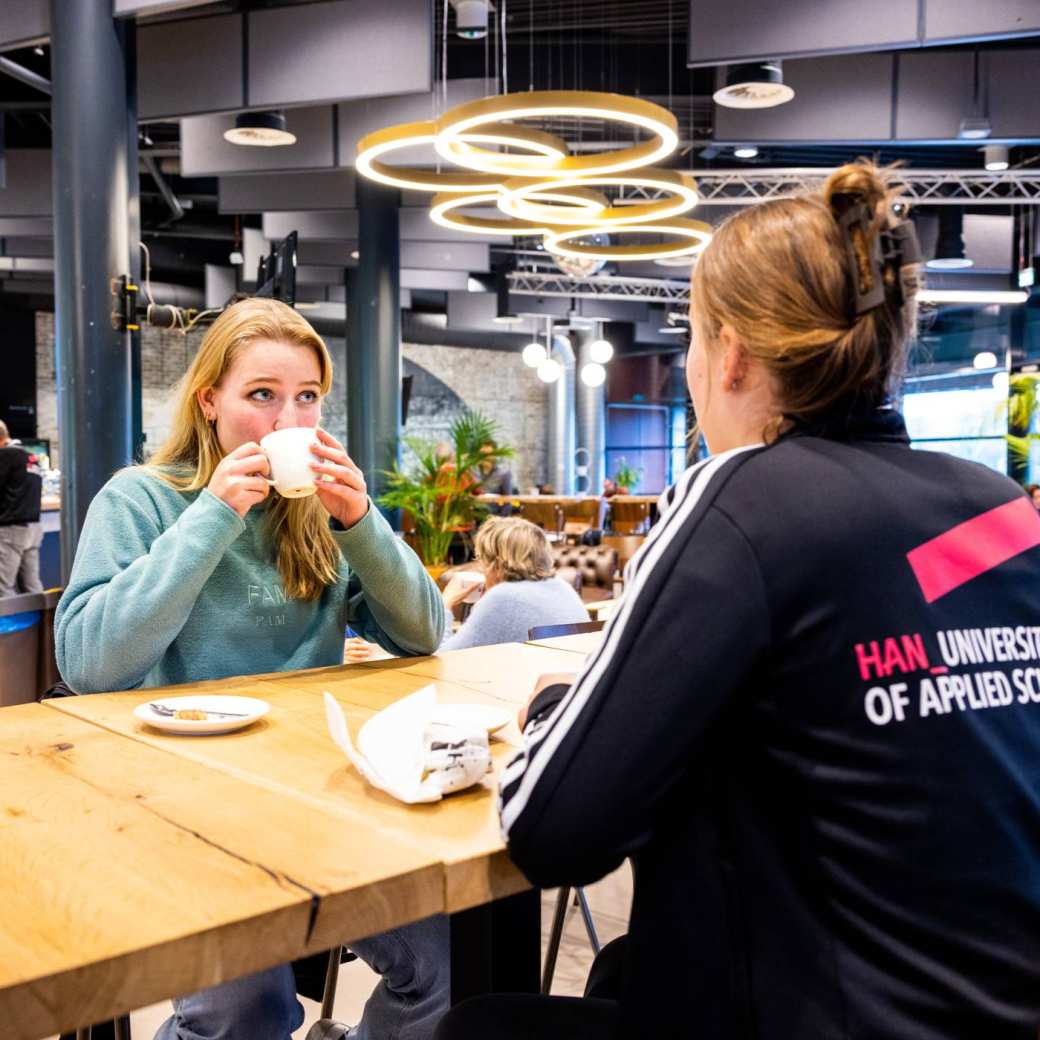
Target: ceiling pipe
column 171, row 200
column 24, row 75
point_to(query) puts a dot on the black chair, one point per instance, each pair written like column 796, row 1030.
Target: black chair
column 552, row 631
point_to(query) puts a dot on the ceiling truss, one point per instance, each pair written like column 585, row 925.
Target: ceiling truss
column 920, row 187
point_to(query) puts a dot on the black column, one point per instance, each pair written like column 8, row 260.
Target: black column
column 133, row 236
column 374, row 336
column 91, row 249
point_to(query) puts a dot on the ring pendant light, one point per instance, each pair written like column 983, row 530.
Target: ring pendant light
column 372, row 147
column 517, row 194
column 452, row 127
column 445, row 211
column 696, row 234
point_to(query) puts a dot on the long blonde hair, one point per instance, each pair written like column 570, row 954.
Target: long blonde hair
column 307, row 556
column 779, row 274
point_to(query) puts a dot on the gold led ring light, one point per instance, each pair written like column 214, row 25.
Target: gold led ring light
column 517, row 195
column 444, row 210
column 454, row 126
column 696, row 232
column 373, row 146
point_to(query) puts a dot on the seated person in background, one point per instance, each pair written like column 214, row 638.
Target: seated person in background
column 494, row 480
column 520, row 589
column 1033, row 491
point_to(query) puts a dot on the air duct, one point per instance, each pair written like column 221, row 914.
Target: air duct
column 561, row 418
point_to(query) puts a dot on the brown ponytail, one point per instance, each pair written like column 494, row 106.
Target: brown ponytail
column 783, row 275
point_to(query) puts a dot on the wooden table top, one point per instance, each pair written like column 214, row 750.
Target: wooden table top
column 139, row 865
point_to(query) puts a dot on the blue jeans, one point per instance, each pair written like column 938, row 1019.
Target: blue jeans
column 407, row 1003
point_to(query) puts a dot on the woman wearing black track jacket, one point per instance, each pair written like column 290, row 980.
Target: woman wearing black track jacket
column 814, row 727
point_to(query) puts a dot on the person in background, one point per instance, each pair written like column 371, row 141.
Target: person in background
column 1033, row 491
column 21, row 532
column 494, row 479
column 191, row 568
column 520, row 589
column 815, row 728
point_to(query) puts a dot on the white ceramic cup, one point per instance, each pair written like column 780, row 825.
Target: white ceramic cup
column 289, row 453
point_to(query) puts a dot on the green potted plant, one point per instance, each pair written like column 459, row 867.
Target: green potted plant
column 438, row 488
column 626, row 477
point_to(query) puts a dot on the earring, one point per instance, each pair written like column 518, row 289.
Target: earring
column 734, row 385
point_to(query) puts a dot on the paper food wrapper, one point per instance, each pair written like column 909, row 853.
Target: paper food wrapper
column 402, row 751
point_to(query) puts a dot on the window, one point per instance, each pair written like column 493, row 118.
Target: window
column 968, row 422
column 650, row 438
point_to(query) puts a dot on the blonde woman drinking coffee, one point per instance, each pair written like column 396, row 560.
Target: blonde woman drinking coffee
column 193, row 568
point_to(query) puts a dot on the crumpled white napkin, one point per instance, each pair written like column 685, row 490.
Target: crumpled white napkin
column 403, row 751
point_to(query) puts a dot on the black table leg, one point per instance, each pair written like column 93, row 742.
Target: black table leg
column 497, row 947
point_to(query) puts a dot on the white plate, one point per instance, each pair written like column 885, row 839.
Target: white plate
column 479, row 716
column 248, row 708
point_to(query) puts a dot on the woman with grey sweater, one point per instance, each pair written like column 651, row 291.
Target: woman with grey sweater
column 520, row 590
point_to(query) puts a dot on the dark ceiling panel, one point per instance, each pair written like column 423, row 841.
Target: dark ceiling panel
column 727, row 30
column 193, row 65
column 343, row 49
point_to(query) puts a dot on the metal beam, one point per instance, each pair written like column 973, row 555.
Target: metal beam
column 24, row 75
column 922, row 187
column 601, row 287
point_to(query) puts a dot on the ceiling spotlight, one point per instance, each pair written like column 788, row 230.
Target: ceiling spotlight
column 673, row 330
column 260, row 129
column 996, row 156
column 471, row 18
column 534, row 354
column 39, row 52
column 974, row 128
column 746, row 151
column 601, row 351
column 355, row 254
column 236, row 257
column 985, row 359
column 549, row 370
column 757, row 84
column 593, row 374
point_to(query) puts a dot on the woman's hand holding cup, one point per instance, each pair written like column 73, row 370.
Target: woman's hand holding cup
column 240, row 478
column 342, row 490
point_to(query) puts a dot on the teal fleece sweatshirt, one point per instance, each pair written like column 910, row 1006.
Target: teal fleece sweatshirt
column 173, row 587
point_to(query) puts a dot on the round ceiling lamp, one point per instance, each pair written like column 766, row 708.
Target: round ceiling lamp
column 549, row 370
column 593, row 374
column 260, row 130
column 693, row 236
column 534, row 354
column 984, row 359
column 601, row 351
column 681, row 197
column 445, row 210
column 454, row 126
column 996, row 158
column 757, row 84
column 372, row 147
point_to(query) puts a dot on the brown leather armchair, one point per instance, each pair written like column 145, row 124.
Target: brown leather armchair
column 597, row 565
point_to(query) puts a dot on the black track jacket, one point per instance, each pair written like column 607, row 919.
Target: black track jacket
column 814, row 725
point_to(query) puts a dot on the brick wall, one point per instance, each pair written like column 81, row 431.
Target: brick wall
column 446, row 380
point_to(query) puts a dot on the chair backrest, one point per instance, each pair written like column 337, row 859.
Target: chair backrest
column 576, row 629
column 547, row 515
column 629, row 517
column 626, row 546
